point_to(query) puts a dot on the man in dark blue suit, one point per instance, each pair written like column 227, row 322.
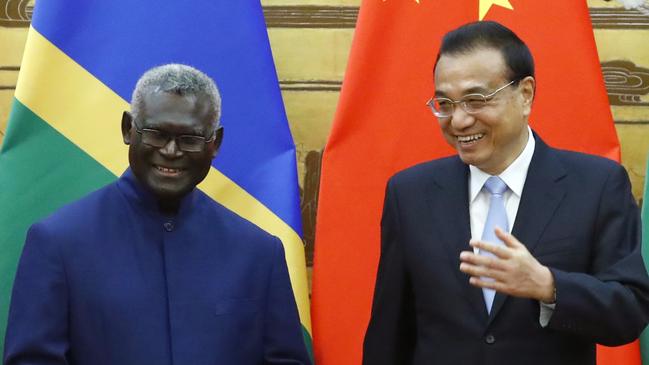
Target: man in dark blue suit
column 149, row 270
column 511, row 252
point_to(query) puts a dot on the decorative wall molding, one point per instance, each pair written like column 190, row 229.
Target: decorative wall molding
column 340, row 17
column 310, row 85
column 618, row 18
column 632, row 122
column 626, row 83
column 9, row 69
column 345, row 17
column 16, row 13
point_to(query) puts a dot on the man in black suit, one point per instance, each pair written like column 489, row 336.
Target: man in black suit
column 511, row 252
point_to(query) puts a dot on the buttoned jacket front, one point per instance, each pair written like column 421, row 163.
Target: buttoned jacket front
column 111, row 280
column 576, row 215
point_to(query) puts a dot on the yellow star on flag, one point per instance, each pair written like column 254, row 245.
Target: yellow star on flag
column 485, row 5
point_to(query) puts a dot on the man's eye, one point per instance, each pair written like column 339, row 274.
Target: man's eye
column 443, row 103
column 191, row 140
column 475, row 103
column 153, row 133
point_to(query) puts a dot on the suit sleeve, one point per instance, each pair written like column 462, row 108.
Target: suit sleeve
column 610, row 303
column 390, row 335
column 283, row 338
column 37, row 328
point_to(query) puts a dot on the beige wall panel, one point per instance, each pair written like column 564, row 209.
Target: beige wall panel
column 310, row 115
column 8, row 77
column 310, row 54
column 630, row 44
column 12, row 44
column 635, row 146
column 623, row 44
column 631, row 113
column 603, row 4
column 626, row 45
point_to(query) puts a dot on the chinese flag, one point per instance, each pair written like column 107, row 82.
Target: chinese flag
column 382, row 125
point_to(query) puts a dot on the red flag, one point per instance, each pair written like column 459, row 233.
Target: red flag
column 382, row 125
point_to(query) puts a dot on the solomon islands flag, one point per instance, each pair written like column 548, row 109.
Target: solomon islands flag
column 81, row 63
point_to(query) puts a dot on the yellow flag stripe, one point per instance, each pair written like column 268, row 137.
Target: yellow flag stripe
column 227, row 192
column 88, row 113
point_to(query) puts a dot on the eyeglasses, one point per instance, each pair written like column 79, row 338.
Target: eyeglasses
column 471, row 103
column 185, row 142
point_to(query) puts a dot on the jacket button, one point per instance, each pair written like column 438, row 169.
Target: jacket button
column 169, row 226
column 490, row 339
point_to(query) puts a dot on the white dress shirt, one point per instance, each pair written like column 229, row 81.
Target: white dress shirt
column 514, row 176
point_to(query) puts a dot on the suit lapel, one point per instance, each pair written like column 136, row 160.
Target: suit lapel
column 448, row 202
column 542, row 195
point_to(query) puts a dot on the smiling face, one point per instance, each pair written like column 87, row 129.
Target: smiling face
column 492, row 138
column 167, row 171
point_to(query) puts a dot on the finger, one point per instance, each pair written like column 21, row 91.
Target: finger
column 499, row 251
column 508, row 239
column 482, row 271
column 470, row 257
column 491, row 262
column 488, row 284
column 472, row 270
column 498, row 286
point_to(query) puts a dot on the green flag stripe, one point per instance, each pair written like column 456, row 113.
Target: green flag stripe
column 644, row 337
column 309, row 343
column 36, row 166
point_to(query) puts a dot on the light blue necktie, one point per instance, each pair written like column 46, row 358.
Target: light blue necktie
column 496, row 217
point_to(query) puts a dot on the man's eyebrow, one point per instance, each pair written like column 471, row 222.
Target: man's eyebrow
column 476, row 90
column 471, row 90
column 193, row 132
column 186, row 131
column 440, row 93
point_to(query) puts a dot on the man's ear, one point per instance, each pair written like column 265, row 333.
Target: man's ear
column 528, row 89
column 127, row 124
column 218, row 138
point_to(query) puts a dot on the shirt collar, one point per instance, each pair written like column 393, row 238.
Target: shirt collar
column 514, row 175
column 135, row 192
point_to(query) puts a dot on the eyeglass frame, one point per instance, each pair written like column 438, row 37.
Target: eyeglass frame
column 463, row 102
column 170, row 136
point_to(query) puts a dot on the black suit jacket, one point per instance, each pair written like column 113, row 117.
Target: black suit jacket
column 576, row 215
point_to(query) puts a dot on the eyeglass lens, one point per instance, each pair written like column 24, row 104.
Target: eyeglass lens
column 185, row 143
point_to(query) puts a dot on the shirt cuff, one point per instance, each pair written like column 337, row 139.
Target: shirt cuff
column 546, row 313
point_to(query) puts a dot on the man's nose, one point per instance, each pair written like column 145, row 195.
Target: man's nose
column 171, row 149
column 460, row 119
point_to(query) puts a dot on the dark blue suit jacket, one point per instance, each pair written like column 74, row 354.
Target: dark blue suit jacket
column 110, row 280
column 576, row 216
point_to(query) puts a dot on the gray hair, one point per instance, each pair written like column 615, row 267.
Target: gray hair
column 177, row 79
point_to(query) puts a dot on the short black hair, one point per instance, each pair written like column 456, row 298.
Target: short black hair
column 491, row 35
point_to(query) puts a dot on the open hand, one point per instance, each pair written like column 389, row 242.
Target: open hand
column 513, row 269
